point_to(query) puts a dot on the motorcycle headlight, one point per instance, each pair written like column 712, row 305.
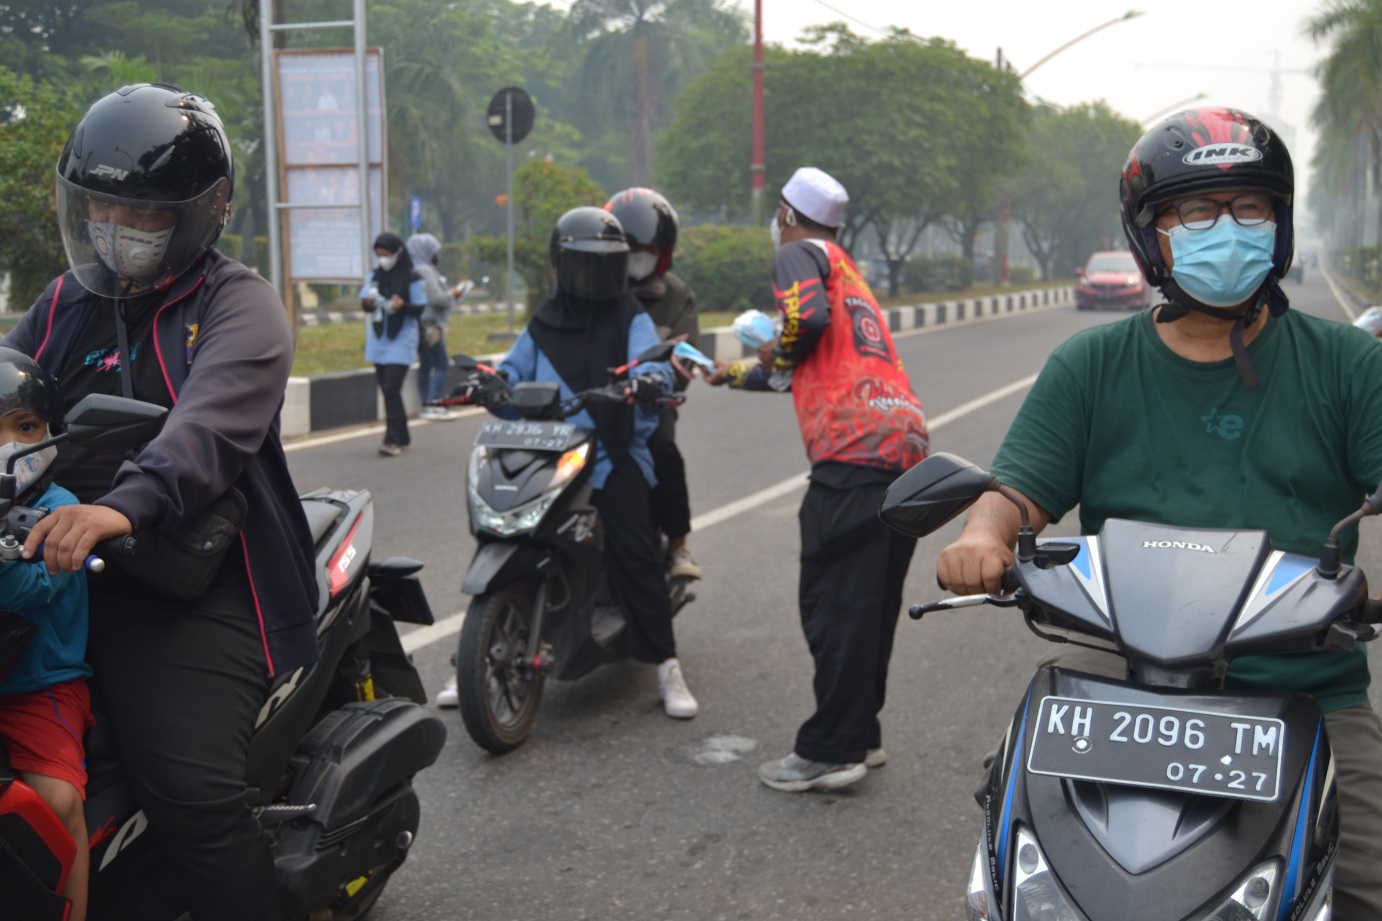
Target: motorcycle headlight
column 1036, row 894
column 979, row 897
column 506, row 524
column 1255, row 897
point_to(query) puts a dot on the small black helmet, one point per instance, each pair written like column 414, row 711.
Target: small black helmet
column 25, row 385
column 143, row 188
column 590, row 254
column 648, row 220
column 1203, row 150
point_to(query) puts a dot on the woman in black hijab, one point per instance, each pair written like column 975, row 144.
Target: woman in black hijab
column 395, row 295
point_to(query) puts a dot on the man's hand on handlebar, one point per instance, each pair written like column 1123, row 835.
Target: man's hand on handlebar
column 974, row 563
column 70, row 532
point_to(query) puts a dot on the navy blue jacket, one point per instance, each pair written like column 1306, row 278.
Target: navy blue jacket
column 225, row 348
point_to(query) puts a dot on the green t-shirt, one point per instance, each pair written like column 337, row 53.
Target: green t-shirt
column 1121, row 426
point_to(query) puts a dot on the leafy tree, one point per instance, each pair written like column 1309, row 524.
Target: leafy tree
column 638, row 54
column 907, row 155
column 543, row 192
column 1351, row 105
column 729, row 268
column 1066, row 196
column 35, row 120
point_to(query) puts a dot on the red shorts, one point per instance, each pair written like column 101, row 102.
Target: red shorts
column 43, row 731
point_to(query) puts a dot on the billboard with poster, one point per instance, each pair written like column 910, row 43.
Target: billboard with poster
column 319, row 160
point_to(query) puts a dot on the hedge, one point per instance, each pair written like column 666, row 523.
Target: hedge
column 729, row 267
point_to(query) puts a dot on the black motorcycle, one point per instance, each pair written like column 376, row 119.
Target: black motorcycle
column 1160, row 796
column 540, row 602
column 332, row 758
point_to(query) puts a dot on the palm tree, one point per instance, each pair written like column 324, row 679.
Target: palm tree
column 1351, row 107
column 639, row 54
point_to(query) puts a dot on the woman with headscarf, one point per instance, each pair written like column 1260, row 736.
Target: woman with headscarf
column 394, row 295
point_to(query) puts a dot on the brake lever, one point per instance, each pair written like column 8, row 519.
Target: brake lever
column 917, row 612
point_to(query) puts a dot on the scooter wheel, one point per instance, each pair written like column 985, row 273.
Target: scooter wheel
column 498, row 696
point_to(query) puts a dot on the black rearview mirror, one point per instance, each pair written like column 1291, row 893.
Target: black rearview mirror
column 660, row 352
column 933, row 492
column 464, row 362
column 102, row 422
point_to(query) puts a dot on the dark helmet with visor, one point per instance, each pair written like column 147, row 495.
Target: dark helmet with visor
column 590, row 254
column 648, row 220
column 1199, row 151
column 143, row 189
column 24, row 385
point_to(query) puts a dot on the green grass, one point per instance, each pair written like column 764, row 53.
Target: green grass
column 341, row 346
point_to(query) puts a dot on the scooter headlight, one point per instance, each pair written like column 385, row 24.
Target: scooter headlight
column 1036, row 894
column 979, row 897
column 1255, row 897
column 525, row 517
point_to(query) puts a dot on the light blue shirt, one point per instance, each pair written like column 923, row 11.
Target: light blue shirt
column 402, row 349
column 526, row 362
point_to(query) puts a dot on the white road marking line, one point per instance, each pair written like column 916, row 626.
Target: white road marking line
column 450, row 626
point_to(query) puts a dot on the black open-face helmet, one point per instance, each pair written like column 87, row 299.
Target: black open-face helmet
column 143, row 189
column 1197, row 151
column 590, row 254
column 24, row 385
column 648, row 220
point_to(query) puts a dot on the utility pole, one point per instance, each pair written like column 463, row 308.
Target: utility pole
column 756, row 166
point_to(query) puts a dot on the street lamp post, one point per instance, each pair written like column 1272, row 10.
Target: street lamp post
column 1000, row 236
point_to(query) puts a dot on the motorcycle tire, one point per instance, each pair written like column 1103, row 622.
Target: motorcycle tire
column 498, row 699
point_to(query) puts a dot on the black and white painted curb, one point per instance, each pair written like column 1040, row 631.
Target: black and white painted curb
column 351, row 398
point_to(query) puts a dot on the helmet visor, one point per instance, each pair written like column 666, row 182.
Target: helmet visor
column 594, row 276
column 123, row 247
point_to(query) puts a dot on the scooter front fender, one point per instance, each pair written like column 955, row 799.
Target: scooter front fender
column 497, row 563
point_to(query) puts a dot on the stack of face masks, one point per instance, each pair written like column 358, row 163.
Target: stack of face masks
column 753, row 328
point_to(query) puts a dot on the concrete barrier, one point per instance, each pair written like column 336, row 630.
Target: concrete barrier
column 348, row 398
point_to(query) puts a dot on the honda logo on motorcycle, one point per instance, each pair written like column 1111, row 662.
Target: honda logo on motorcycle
column 1219, row 154
column 1175, row 545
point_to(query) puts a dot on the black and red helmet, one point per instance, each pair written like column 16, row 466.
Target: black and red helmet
column 648, row 220
column 1204, row 150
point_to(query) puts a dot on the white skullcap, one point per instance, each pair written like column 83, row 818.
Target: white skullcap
column 816, row 194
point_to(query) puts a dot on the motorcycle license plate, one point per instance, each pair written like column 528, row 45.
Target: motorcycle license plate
column 1195, row 751
column 533, row 436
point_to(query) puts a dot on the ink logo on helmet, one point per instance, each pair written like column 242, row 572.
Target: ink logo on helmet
column 1222, row 155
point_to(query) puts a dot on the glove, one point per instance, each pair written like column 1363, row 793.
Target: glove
column 646, row 389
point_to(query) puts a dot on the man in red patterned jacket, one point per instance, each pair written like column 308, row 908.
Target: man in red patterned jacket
column 862, row 426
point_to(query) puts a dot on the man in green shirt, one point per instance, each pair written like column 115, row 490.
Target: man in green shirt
column 1211, row 411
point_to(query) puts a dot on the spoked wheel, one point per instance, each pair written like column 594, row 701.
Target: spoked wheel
column 498, row 695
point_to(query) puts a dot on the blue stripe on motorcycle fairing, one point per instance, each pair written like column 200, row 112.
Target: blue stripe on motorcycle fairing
column 1081, row 561
column 1294, row 871
column 1003, row 823
column 1290, row 568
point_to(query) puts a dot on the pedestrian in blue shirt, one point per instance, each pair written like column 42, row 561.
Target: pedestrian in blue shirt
column 394, row 296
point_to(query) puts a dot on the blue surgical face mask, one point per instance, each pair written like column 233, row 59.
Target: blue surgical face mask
column 1224, row 265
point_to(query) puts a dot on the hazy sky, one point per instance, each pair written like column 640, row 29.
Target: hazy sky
column 1253, row 56
column 1174, row 51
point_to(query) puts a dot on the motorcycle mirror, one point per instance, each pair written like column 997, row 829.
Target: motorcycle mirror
column 464, row 362
column 102, row 422
column 660, row 352
column 933, row 492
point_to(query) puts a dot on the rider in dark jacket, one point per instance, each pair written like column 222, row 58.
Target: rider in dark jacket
column 149, row 310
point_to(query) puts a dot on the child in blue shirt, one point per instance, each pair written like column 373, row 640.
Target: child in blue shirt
column 45, row 707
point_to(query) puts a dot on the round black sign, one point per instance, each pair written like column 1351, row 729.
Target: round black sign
column 510, row 100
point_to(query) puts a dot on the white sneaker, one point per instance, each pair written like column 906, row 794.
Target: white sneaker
column 447, row 696
column 682, row 565
column 671, row 685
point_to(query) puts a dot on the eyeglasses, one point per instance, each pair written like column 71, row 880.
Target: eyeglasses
column 1248, row 210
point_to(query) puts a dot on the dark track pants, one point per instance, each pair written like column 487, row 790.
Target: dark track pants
column 671, row 501
column 852, row 569
column 391, row 378
column 181, row 684
column 633, row 561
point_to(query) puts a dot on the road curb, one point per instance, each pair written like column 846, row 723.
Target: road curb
column 351, row 398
